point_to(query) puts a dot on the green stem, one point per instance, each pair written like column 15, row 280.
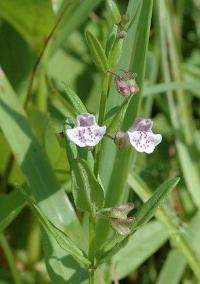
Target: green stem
column 102, row 111
column 104, row 95
column 9, row 256
column 92, row 243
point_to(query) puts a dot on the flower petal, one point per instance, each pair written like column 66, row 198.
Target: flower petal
column 142, row 124
column 86, row 136
column 144, row 141
column 86, row 119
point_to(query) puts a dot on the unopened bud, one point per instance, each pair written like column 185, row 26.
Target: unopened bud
column 118, row 217
column 122, row 34
column 121, row 140
column 126, row 85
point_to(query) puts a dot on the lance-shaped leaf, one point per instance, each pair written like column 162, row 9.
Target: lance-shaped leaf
column 149, row 208
column 114, row 11
column 141, row 217
column 97, row 52
column 87, row 191
column 10, row 206
column 75, row 101
column 62, row 239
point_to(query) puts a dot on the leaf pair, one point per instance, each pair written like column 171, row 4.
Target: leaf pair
column 143, row 215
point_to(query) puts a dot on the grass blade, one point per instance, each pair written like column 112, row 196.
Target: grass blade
column 10, row 206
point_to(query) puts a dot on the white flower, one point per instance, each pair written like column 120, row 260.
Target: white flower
column 87, row 132
column 141, row 136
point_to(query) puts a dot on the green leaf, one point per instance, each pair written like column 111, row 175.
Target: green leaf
column 87, row 191
column 33, row 19
column 62, row 239
column 142, row 216
column 75, row 100
column 116, row 120
column 76, row 15
column 172, row 86
column 114, row 11
column 190, row 169
column 54, row 254
column 173, row 268
column 145, row 242
column 10, row 206
column 115, row 52
column 10, row 57
column 36, row 167
column 149, row 208
column 97, row 52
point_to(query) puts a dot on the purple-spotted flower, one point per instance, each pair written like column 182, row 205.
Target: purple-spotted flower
column 86, row 133
column 141, row 136
column 126, row 85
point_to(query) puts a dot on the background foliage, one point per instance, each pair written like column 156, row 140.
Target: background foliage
column 43, row 48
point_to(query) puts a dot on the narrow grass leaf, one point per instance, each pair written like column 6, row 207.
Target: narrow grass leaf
column 172, row 86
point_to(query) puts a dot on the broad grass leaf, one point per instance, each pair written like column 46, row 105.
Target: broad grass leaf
column 77, row 13
column 172, row 269
column 10, row 206
column 33, row 19
column 140, row 246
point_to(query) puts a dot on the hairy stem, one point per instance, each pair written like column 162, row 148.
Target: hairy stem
column 102, row 111
column 92, row 243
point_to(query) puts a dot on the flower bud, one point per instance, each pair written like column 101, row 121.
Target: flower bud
column 122, row 34
column 121, row 140
column 126, row 85
column 118, row 217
